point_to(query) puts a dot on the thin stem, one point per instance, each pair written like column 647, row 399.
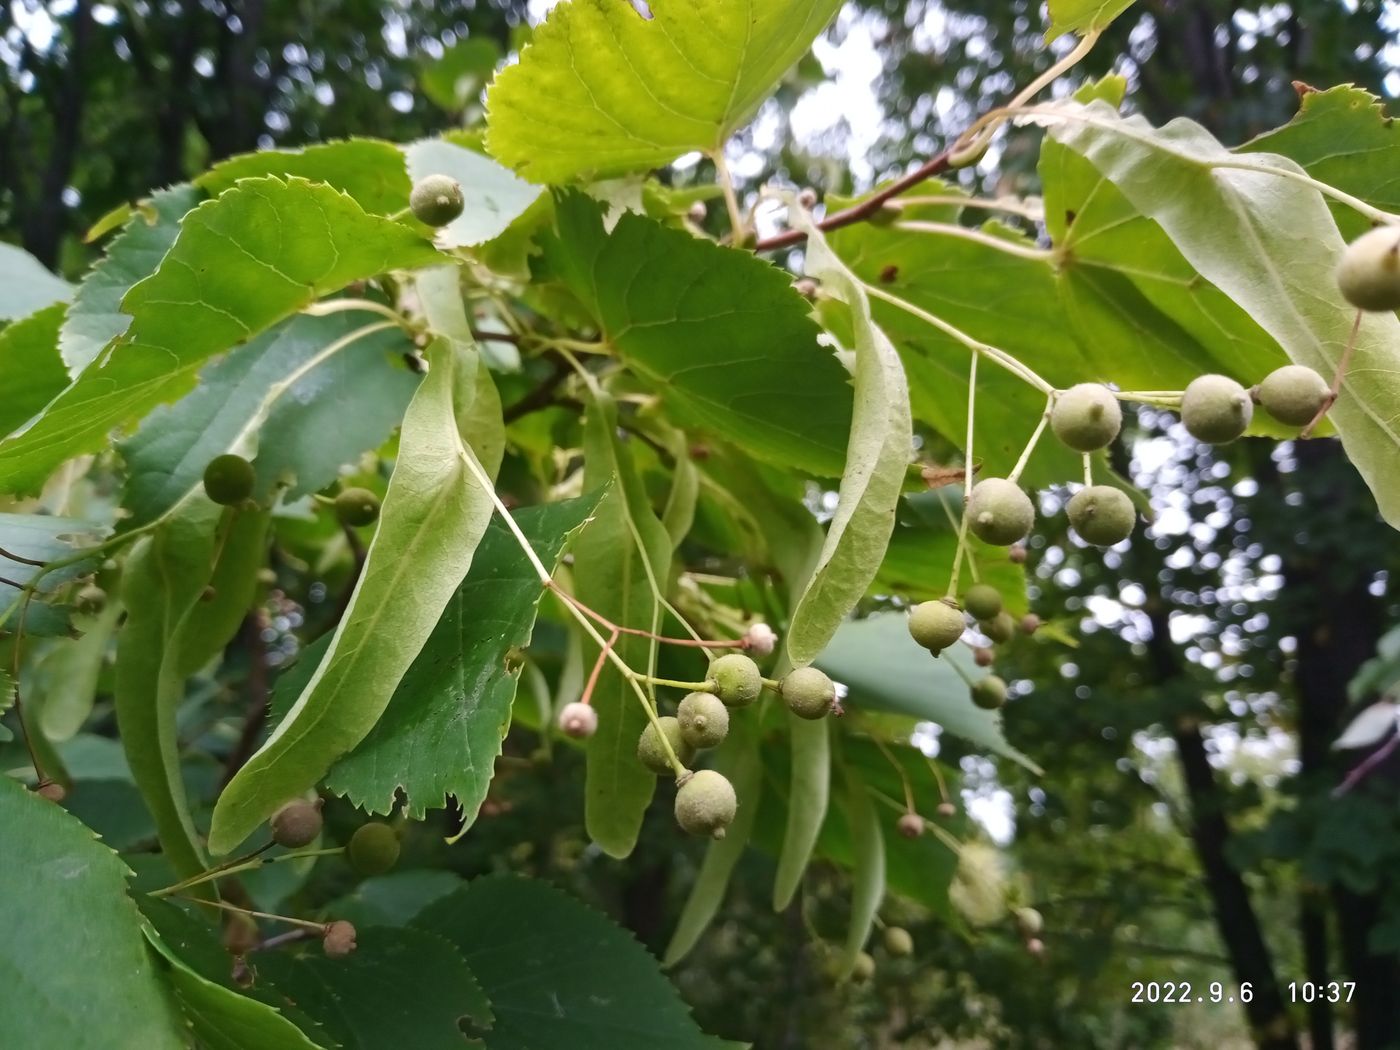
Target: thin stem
column 73, row 559
column 587, row 697
column 1337, row 378
column 1015, row 474
column 903, row 776
column 304, row 924
column 337, row 306
column 955, row 524
column 948, row 229
column 19, row 558
column 967, row 475
column 1372, row 761
column 948, row 840
column 1011, row 205
column 671, row 683
column 938, row 776
column 214, row 872
column 962, row 673
column 1088, row 469
column 731, row 201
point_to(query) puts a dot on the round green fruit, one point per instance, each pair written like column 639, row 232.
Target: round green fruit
column 898, row 942
column 1102, row 515
column 706, row 804
column 652, row 752
column 296, row 824
column 1000, row 628
column 436, row 200
column 228, row 479
column 936, row 625
column 736, row 680
column 357, row 507
column 982, row 601
column 989, row 693
column 864, row 968
column 1293, row 394
column 1369, row 273
column 808, row 693
column 1000, row 512
column 704, row 720
column 1216, row 409
column 1086, row 417
column 373, row 849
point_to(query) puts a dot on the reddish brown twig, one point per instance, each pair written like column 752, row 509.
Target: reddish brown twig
column 1340, row 375
column 587, row 697
column 694, row 643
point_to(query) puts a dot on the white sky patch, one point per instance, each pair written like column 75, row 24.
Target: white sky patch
column 847, row 101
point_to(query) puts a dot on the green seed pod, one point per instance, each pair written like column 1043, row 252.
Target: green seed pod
column 936, row 625
column 808, row 693
column 1086, row 417
column 1369, row 273
column 736, row 679
column 373, row 849
column 228, row 479
column 989, row 693
column 436, row 200
column 296, row 824
column 898, row 942
column 1000, row 628
column 982, row 601
column 1216, row 409
column 706, row 804
column 356, row 507
column 1293, row 394
column 704, row 720
column 652, row 753
column 864, row 968
column 1102, row 515
column 1000, row 512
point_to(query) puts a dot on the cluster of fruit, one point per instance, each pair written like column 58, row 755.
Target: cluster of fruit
column 229, row 481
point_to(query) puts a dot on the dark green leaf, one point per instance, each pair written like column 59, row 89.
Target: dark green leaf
column 31, row 370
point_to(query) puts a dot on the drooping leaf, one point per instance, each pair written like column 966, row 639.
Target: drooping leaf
column 720, row 333
column 493, row 196
column 442, row 731
column 369, row 170
column 433, row 516
column 63, row 897
column 1369, row 727
column 1210, row 202
column 1082, row 16
column 243, row 262
column 96, row 316
column 886, row 671
column 877, row 459
column 603, row 91
column 558, row 973
column 869, row 848
column 300, row 401
column 26, row 286
column 807, row 801
column 67, row 676
column 31, row 371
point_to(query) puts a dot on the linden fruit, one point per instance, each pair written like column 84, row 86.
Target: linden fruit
column 356, row 507
column 296, row 824
column 373, row 849
column 898, row 942
column 982, row 601
column 983, row 657
column 1369, row 273
column 1102, row 515
column 1086, row 417
column 1000, row 628
column 910, row 825
column 704, row 720
column 989, row 693
column 338, row 940
column 936, row 625
column 1001, row 513
column 436, row 200
column 1293, row 394
column 652, row 752
column 705, row 804
column 736, row 680
column 1216, row 409
column 578, row 720
column 808, row 693
column 864, row 968
column 228, row 479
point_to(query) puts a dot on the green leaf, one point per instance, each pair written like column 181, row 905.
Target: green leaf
column 1211, row 203
column 39, row 537
column 66, row 683
column 96, row 316
column 454, row 80
column 31, row 370
column 369, row 170
column 720, row 334
column 26, row 285
column 1082, row 16
column 442, row 731
column 877, row 459
column 400, row 987
column 559, row 974
column 260, row 252
column 394, row 899
column 63, row 897
column 602, row 91
column 807, row 801
column 739, row 759
column 300, row 401
column 869, row 849
column 878, row 661
column 919, row 561
column 433, row 516
column 616, row 559
column 493, row 196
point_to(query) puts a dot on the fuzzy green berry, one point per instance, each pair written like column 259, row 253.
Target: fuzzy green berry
column 706, row 804
column 1369, row 273
column 808, row 693
column 356, row 507
column 736, row 680
column 936, row 625
column 1030, row 921
column 864, row 968
column 228, row 479
column 989, row 693
column 296, row 824
column 704, row 720
column 1086, row 417
column 1216, row 409
column 898, row 942
column 1000, row 513
column 652, row 753
column 436, row 200
column 338, row 939
column 982, row 601
column 1293, row 394
column 1102, row 515
column 999, row 628
column 373, row 849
